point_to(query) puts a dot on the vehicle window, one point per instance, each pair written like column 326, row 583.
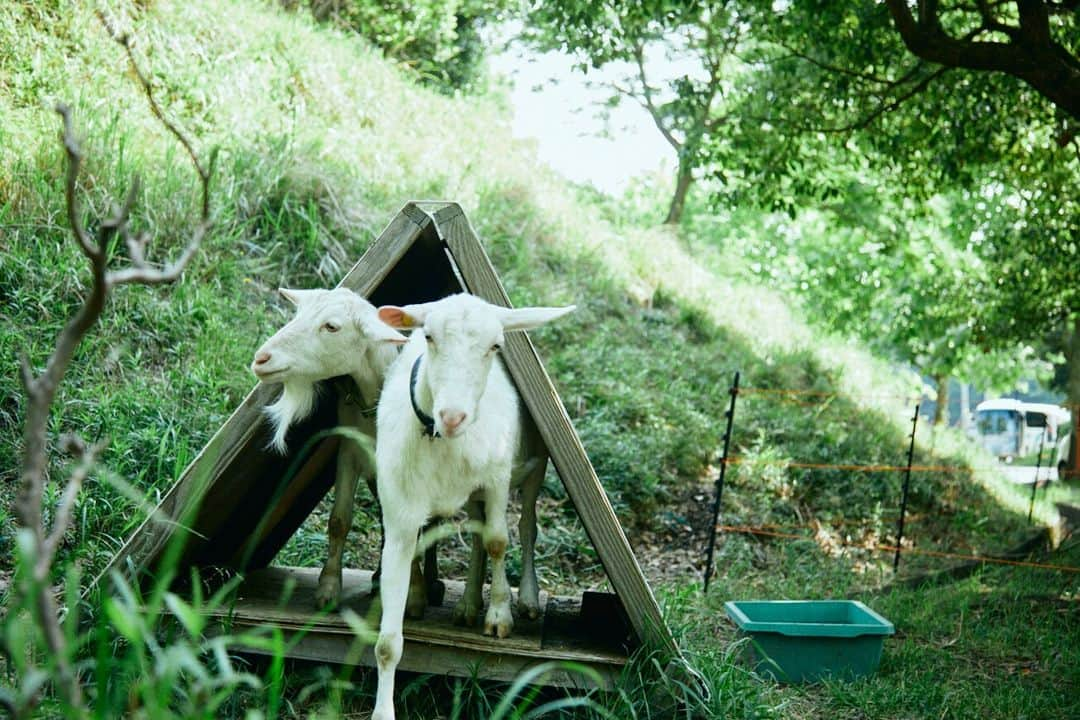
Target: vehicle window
column 995, row 422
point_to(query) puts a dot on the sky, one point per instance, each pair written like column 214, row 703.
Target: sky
column 562, row 118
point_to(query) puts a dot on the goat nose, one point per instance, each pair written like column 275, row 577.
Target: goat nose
column 262, row 358
column 452, row 418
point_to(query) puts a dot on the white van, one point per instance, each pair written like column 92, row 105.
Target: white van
column 1011, row 428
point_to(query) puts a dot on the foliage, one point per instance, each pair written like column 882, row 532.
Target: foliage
column 440, row 40
column 859, row 116
column 674, row 58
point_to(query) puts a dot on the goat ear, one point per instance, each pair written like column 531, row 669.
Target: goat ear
column 530, row 317
column 294, row 296
column 404, row 317
column 377, row 331
column 395, row 316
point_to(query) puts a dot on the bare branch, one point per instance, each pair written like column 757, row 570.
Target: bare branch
column 119, row 218
column 140, row 272
column 62, row 520
column 639, row 56
column 41, row 390
column 26, row 374
column 136, row 247
column 148, row 89
column 74, row 155
column 144, row 275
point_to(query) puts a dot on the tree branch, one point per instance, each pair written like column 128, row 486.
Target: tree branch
column 863, row 77
column 639, row 57
column 41, row 390
column 1031, row 55
column 62, row 521
column 204, row 171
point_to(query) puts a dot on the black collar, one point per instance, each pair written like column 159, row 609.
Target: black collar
column 426, row 420
column 349, row 391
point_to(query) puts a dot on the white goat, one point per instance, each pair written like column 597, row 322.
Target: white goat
column 307, row 350
column 334, row 333
column 449, row 426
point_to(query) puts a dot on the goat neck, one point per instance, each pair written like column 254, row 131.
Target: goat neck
column 427, row 422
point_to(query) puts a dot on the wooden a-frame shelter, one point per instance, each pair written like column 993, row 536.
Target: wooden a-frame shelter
column 238, row 503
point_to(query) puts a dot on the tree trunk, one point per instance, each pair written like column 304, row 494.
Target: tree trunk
column 1074, row 396
column 682, row 186
column 965, row 406
column 941, row 409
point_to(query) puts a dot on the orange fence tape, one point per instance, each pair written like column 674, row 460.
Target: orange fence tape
column 892, row 548
column 740, row 460
column 785, row 392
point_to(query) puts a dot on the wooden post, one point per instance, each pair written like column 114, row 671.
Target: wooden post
column 1035, row 481
column 720, row 481
column 907, row 484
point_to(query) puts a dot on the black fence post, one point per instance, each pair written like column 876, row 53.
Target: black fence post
column 907, row 484
column 720, row 481
column 1035, row 482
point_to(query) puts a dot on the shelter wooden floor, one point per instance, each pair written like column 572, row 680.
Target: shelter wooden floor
column 591, row 630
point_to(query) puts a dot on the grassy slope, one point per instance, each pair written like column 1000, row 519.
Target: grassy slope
column 321, row 142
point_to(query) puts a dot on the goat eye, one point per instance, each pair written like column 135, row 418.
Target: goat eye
column 331, row 327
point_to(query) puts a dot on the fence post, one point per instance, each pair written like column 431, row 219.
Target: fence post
column 907, row 484
column 730, row 414
column 1035, row 482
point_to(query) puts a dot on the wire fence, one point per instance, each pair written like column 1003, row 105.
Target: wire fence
column 881, row 547
column 782, row 531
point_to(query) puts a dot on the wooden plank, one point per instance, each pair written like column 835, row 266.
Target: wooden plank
column 274, row 520
column 565, row 448
column 283, row 597
column 179, row 510
column 440, row 660
column 383, row 255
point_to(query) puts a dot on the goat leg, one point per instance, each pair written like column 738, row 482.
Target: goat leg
column 529, row 589
column 467, row 610
column 499, row 620
column 399, row 546
column 328, row 592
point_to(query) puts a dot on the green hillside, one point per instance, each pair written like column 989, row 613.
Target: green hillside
column 320, row 142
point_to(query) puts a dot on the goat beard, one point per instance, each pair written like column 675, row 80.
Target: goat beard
column 296, row 402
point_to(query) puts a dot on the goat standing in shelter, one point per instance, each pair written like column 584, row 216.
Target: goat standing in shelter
column 336, row 334
column 449, row 426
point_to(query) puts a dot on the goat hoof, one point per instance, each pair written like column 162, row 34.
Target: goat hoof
column 466, row 613
column 415, row 606
column 328, row 594
column 529, row 610
column 436, row 593
column 528, row 599
column 499, row 621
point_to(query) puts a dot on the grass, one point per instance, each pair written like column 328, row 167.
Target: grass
column 321, row 142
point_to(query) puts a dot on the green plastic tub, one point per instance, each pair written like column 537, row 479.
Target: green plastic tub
column 810, row 640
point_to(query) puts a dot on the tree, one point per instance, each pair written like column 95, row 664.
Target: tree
column 634, row 39
column 970, row 101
